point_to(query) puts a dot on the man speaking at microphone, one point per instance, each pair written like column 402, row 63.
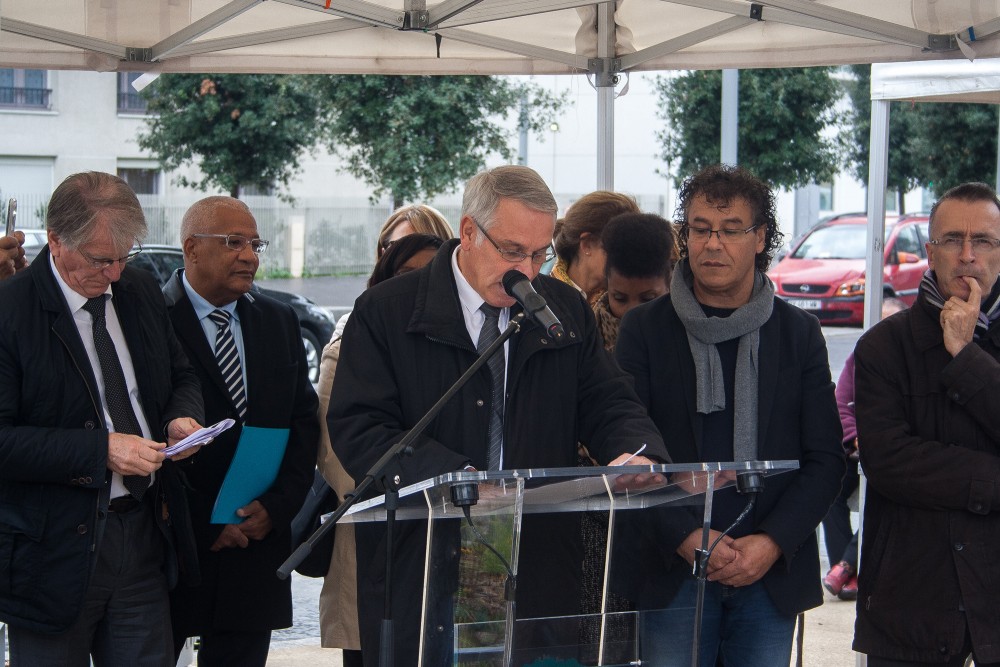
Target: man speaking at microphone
column 410, row 338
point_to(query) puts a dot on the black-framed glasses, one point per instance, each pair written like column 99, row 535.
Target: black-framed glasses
column 538, row 257
column 704, row 234
column 955, row 244
column 236, row 243
column 102, row 263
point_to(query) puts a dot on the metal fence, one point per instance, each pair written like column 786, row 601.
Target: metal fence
column 338, row 235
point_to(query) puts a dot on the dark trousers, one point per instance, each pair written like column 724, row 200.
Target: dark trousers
column 125, row 619
column 234, row 649
column 841, row 540
column 353, row 658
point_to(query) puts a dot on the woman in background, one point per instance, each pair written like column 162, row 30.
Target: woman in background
column 338, row 601
column 412, row 219
column 577, row 239
column 640, row 251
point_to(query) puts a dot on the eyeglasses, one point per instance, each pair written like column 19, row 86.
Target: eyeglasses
column 955, row 244
column 104, row 262
column 538, row 257
column 728, row 236
column 237, row 243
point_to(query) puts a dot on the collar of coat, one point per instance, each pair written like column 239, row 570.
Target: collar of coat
column 437, row 311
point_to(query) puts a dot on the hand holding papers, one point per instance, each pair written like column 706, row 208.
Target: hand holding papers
column 200, row 437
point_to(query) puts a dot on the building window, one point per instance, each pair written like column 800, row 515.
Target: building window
column 891, row 200
column 825, row 196
column 254, row 190
column 129, row 99
column 142, row 181
column 23, row 89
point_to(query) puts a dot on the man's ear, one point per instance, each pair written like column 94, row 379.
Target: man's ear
column 190, row 253
column 467, row 232
column 55, row 244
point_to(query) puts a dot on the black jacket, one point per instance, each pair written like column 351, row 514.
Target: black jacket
column 239, row 589
column 54, row 480
column 797, row 420
column 405, row 344
column 929, row 438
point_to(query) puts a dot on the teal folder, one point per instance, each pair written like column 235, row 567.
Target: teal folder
column 252, row 471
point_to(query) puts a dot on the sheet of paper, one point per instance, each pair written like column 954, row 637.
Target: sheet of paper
column 251, row 472
column 200, row 437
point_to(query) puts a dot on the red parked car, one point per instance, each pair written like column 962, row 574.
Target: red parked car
column 824, row 272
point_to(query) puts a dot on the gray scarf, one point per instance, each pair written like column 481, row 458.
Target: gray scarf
column 704, row 333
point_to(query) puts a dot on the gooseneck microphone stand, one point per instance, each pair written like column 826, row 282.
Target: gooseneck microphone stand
column 747, row 483
column 391, row 486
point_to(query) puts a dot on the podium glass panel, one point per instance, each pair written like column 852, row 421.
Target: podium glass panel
column 544, row 568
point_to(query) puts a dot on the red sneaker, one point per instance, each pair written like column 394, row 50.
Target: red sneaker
column 850, row 589
column 838, row 575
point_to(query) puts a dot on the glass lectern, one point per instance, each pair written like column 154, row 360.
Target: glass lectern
column 492, row 565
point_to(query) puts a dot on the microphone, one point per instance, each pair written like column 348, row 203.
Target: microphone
column 517, row 285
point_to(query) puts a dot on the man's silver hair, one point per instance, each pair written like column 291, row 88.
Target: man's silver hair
column 484, row 191
column 81, row 200
column 200, row 216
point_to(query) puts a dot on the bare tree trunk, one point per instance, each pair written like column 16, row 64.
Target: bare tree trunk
column 397, row 201
column 235, row 192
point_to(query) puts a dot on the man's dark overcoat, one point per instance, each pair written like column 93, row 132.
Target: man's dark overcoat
column 239, row 589
column 929, row 438
column 54, row 481
column 404, row 346
column 796, row 420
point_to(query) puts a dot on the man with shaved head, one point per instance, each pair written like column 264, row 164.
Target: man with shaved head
column 247, row 351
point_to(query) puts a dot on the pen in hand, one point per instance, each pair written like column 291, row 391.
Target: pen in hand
column 632, row 456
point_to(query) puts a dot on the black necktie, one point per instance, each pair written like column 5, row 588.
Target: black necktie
column 229, row 361
column 487, row 335
column 115, row 390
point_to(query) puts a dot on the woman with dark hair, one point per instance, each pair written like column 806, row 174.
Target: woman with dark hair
column 404, row 255
column 338, row 602
column 639, row 249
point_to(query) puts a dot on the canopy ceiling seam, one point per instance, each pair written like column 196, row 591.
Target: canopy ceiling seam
column 203, row 25
column 518, row 48
column 269, row 37
column 797, row 19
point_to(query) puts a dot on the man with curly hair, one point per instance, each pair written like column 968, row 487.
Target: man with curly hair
column 734, row 374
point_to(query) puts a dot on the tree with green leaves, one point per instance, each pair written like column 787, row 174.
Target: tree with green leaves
column 904, row 171
column 931, row 144
column 238, row 129
column 785, row 122
column 955, row 143
column 414, row 137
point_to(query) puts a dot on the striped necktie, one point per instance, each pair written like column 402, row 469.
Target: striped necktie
column 228, row 358
column 487, row 335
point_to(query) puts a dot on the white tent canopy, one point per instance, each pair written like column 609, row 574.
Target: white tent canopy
column 930, row 81
column 602, row 39
column 938, row 81
column 483, row 36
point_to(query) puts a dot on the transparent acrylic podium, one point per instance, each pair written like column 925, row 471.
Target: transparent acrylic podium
column 522, row 530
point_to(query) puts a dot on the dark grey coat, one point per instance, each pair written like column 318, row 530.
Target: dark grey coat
column 54, row 480
column 929, row 438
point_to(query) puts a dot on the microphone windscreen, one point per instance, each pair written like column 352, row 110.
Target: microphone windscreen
column 510, row 279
